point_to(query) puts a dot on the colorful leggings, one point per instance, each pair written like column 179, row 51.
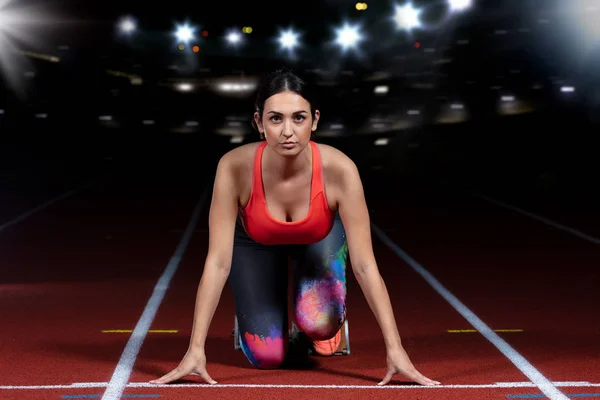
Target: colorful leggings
column 259, row 279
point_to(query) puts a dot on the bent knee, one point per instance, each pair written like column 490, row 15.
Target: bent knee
column 322, row 326
column 264, row 353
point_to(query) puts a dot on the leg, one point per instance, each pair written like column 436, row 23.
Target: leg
column 320, row 284
column 259, row 281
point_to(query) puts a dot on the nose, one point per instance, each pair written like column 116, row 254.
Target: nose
column 288, row 130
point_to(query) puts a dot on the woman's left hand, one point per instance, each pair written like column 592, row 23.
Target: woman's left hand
column 399, row 363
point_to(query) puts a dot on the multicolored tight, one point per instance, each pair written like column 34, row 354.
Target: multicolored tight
column 259, row 279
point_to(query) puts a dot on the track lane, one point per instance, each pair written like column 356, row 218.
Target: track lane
column 162, row 352
column 513, row 272
column 85, row 265
column 423, row 317
column 577, row 212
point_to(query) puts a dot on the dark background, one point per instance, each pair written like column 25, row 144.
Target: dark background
column 78, row 97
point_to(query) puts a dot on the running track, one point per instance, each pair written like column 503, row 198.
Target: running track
column 90, row 262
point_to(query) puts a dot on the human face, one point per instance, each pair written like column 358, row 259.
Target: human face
column 287, row 123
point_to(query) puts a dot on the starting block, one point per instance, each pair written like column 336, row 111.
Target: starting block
column 343, row 348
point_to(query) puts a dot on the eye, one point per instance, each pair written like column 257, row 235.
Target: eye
column 296, row 118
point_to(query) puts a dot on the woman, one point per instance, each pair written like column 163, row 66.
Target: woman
column 287, row 200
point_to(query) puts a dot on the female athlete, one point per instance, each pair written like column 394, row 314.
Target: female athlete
column 287, row 200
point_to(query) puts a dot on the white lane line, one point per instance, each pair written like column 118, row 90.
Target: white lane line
column 497, row 385
column 121, row 375
column 515, row 357
column 543, row 220
column 29, row 213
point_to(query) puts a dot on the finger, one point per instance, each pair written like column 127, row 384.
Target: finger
column 387, row 378
column 423, row 380
column 207, row 377
column 164, row 379
column 171, row 376
column 427, row 382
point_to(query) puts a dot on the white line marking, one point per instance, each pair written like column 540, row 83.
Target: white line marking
column 121, row 375
column 497, row 385
column 29, row 213
column 544, row 220
column 517, row 359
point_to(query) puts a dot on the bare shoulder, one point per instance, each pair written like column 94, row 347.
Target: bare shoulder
column 235, row 168
column 239, row 159
column 336, row 163
column 240, row 155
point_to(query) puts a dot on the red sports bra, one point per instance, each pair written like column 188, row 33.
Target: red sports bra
column 262, row 227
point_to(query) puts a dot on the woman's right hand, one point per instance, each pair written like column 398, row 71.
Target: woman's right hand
column 193, row 363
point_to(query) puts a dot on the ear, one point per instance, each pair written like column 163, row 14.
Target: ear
column 258, row 122
column 316, row 120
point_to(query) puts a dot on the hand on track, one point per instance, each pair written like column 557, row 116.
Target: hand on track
column 194, row 363
column 399, row 363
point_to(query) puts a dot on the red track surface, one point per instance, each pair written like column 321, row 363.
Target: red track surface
column 90, row 263
column 513, row 272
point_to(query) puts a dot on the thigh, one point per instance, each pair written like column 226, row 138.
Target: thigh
column 320, row 284
column 258, row 278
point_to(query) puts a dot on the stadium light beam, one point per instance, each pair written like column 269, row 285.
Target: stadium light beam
column 18, row 25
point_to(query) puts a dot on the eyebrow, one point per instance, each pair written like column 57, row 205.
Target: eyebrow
column 295, row 112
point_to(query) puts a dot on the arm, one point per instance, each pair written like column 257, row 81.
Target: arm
column 221, row 222
column 355, row 217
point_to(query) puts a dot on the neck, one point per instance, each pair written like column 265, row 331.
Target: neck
column 288, row 167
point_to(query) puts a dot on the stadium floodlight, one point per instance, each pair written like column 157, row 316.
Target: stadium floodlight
column 288, row 39
column 184, row 87
column 184, row 33
column 127, row 25
column 407, row 17
column 459, row 5
column 348, row 36
column 233, row 37
column 567, row 89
